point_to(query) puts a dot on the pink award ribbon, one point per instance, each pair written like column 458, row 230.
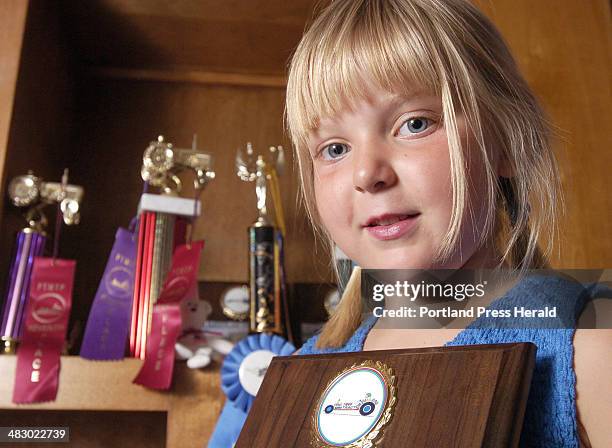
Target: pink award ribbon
column 44, row 331
column 156, row 371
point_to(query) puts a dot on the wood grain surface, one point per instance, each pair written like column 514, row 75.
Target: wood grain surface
column 12, row 25
column 467, row 396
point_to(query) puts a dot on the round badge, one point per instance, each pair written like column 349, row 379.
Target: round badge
column 48, row 308
column 24, row 190
column 119, row 282
column 253, row 369
column 235, row 302
column 355, row 406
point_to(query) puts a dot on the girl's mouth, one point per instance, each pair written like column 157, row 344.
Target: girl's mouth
column 391, row 226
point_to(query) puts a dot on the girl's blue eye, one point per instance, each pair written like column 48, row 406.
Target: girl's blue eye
column 414, row 125
column 334, row 151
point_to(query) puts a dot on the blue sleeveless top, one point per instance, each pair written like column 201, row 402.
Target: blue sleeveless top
column 550, row 417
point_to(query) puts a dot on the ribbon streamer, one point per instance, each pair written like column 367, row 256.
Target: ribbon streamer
column 156, row 371
column 109, row 320
column 46, row 322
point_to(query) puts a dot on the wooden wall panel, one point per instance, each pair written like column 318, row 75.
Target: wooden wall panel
column 12, row 24
column 565, row 52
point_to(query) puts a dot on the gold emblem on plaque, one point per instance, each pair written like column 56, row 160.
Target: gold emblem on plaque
column 355, row 407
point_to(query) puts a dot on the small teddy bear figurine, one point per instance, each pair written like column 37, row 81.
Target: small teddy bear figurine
column 193, row 345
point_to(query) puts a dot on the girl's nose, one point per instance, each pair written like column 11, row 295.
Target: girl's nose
column 372, row 171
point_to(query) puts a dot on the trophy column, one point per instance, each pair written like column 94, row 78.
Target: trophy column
column 264, row 275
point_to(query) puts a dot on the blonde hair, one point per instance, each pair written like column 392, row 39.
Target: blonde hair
column 448, row 48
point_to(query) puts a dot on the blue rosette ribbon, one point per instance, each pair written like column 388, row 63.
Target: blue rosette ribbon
column 239, row 401
column 230, row 381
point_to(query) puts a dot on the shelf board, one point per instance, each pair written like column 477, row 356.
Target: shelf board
column 192, row 404
column 191, row 76
column 107, row 385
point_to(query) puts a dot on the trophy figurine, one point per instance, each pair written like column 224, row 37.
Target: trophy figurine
column 265, row 241
column 162, row 162
column 31, row 191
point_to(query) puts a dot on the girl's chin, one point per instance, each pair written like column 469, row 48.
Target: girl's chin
column 398, row 262
column 407, row 258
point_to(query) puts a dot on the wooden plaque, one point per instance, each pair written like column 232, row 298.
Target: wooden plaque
column 461, row 396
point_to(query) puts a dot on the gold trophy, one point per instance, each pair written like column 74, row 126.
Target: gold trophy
column 162, row 217
column 268, row 308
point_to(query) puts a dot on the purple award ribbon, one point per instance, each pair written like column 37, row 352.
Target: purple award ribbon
column 109, row 320
column 29, row 244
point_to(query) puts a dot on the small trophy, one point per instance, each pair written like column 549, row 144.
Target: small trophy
column 31, row 191
column 163, row 224
column 267, row 305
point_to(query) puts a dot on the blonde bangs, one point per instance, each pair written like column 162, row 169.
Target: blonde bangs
column 335, row 60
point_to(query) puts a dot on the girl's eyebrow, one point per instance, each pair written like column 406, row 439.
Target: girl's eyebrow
column 388, row 105
column 414, row 97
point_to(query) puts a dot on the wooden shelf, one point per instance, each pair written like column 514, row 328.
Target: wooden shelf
column 192, row 405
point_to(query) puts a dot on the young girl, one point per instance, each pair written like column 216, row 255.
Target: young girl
column 420, row 145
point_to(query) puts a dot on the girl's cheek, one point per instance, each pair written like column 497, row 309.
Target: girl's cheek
column 333, row 198
column 427, row 175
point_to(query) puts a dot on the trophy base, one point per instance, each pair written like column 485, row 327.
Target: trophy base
column 9, row 345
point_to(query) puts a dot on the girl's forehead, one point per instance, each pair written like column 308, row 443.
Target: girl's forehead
column 376, row 102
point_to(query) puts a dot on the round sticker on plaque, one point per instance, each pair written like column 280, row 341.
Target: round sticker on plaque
column 355, row 406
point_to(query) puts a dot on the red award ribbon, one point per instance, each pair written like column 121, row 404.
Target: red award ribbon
column 156, row 371
column 46, row 322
